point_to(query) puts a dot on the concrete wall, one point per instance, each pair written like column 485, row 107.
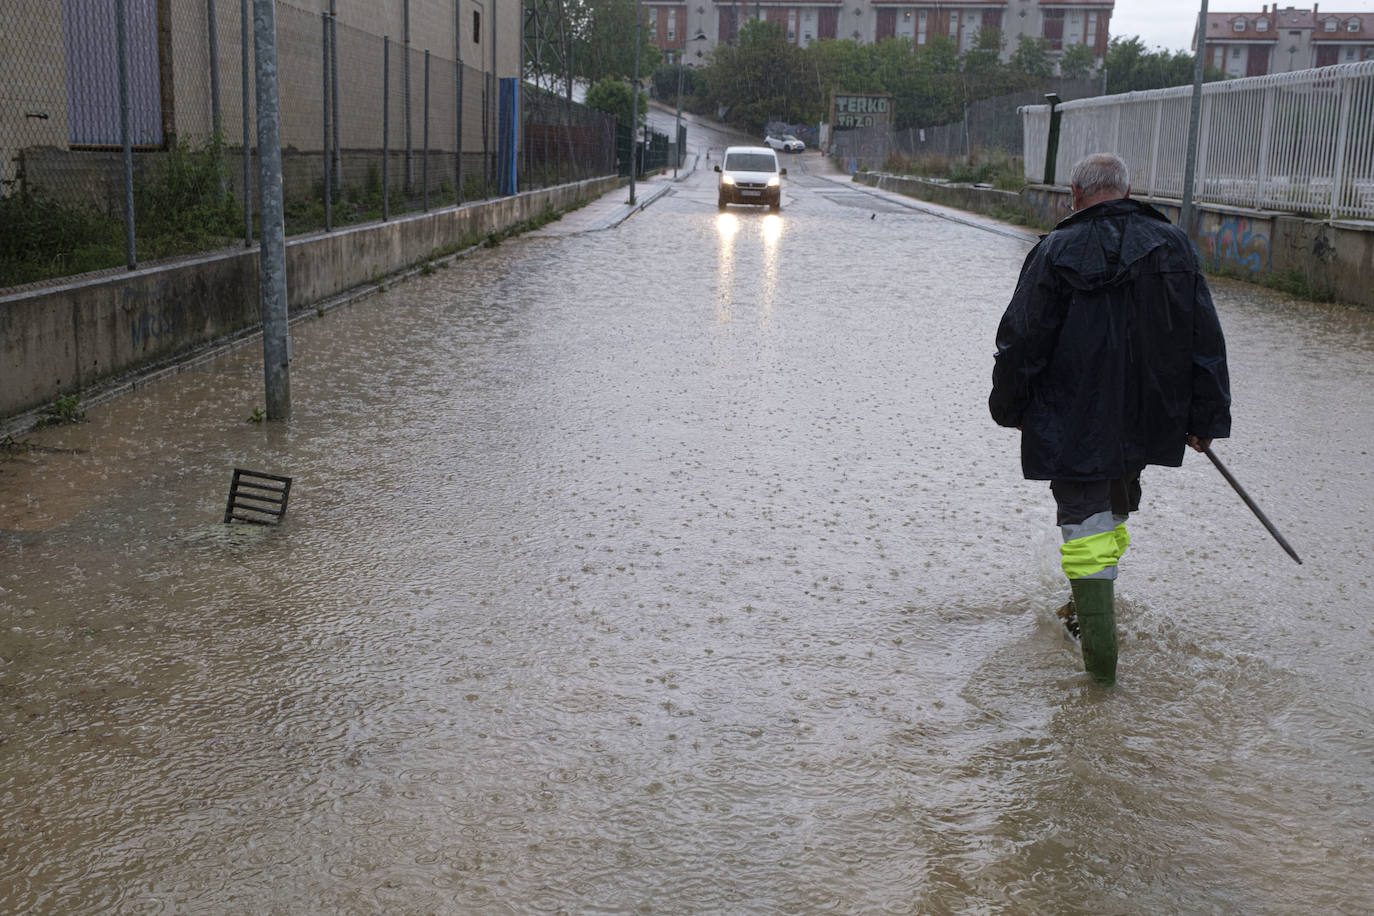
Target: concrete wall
column 988, row 201
column 66, row 339
column 1331, row 259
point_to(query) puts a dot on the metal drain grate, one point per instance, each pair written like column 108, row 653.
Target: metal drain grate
column 261, row 497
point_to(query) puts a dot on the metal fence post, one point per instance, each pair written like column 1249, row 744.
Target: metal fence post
column 324, row 136
column 1342, row 132
column 276, row 340
column 1154, row 145
column 405, row 91
column 493, row 112
column 1266, row 135
column 334, row 89
column 458, row 94
column 125, row 128
column 386, row 127
column 212, row 30
column 247, row 136
column 424, row 164
column 1052, row 143
column 1203, row 142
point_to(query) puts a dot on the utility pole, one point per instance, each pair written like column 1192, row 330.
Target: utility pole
column 126, row 129
column 1185, row 215
column 677, row 128
column 247, row 145
column 634, row 106
column 276, row 340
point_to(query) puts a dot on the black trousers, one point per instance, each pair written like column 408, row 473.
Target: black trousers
column 1078, row 500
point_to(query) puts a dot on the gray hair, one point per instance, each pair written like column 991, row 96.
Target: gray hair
column 1100, row 173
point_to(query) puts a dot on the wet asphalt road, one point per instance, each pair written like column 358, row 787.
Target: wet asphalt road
column 677, row 568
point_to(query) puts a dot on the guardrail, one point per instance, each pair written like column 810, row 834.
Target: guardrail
column 1301, row 142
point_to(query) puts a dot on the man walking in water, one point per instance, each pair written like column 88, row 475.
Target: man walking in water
column 1109, row 358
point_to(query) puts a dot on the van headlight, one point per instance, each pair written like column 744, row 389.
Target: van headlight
column 774, row 181
column 727, row 179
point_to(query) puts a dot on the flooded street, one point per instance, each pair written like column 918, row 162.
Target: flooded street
column 678, row 568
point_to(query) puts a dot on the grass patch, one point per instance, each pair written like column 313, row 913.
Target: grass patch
column 64, row 410
column 1000, row 170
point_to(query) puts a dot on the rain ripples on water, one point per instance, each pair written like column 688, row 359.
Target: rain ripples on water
column 677, row 568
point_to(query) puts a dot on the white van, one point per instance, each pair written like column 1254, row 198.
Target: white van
column 750, row 175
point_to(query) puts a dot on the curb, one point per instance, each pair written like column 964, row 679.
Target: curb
column 955, row 216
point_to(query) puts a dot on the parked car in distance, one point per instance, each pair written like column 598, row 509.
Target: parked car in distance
column 787, row 143
column 750, row 175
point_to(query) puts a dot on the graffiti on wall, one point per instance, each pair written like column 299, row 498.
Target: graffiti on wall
column 1236, row 243
column 148, row 325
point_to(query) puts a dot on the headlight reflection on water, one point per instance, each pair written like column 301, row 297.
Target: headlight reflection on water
column 727, row 225
column 730, row 229
column 772, row 235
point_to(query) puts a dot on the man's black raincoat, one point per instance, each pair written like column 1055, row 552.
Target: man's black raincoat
column 1110, row 353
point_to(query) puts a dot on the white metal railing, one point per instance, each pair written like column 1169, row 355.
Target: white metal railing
column 1301, row 142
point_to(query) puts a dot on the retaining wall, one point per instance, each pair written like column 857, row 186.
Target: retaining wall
column 1332, row 258
column 67, row 339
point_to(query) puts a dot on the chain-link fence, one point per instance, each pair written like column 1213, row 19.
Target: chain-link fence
column 371, row 127
column 563, row 141
column 988, row 126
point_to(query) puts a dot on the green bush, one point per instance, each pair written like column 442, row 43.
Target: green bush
column 42, row 238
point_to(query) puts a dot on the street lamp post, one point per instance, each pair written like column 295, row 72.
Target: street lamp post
column 1185, row 215
column 634, row 106
column 677, row 127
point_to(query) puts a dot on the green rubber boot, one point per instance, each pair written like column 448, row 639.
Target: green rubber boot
column 1093, row 604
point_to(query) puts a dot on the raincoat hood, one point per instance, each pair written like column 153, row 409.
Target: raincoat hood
column 1105, row 242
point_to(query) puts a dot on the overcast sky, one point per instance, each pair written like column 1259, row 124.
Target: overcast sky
column 1169, row 24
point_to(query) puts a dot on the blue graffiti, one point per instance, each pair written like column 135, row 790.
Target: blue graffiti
column 1235, row 243
column 148, row 325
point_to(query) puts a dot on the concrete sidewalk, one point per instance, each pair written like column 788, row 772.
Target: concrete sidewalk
column 614, row 207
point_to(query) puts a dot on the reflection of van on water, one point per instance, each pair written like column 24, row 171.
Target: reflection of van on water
column 750, row 175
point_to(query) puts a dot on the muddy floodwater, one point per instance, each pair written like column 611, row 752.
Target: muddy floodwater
column 678, row 568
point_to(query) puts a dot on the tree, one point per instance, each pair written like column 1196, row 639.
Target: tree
column 665, row 82
column 1032, row 57
column 613, row 96
column 1078, row 61
column 761, row 78
column 605, row 43
column 985, row 57
column 940, row 54
column 1130, row 67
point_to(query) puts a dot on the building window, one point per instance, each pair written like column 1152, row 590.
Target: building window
column 672, row 25
column 1329, row 25
column 1353, row 25
column 1261, row 25
column 792, row 25
column 1090, row 31
column 1053, row 32
column 921, row 27
column 954, row 25
column 93, row 111
column 1235, row 53
column 1238, row 25
column 653, row 23
column 476, row 27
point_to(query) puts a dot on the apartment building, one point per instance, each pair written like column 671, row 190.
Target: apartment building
column 1275, row 40
column 59, row 71
column 689, row 31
